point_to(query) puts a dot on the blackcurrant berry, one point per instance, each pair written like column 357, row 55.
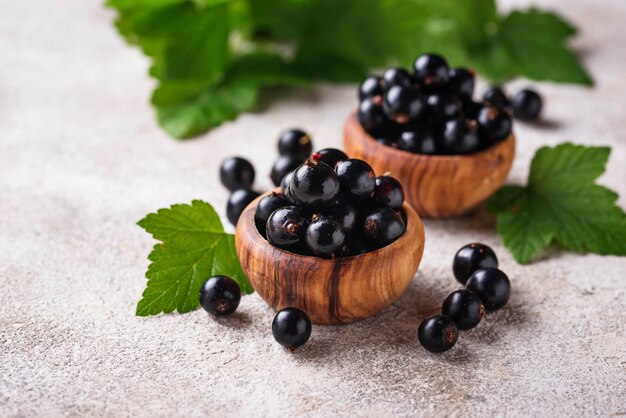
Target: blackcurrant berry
column 465, row 308
column 324, row 236
column 291, row 328
column 420, row 141
column 286, row 227
column 397, row 77
column 471, row 109
column 443, row 106
column 462, row 83
column 402, row 104
column 526, row 105
column 460, row 137
column 237, row 202
column 236, row 173
column 266, row 207
column 494, row 124
column 381, row 227
column 352, row 247
column 371, row 87
column 314, row 184
column 329, row 156
column 431, row 70
column 492, row 287
column 284, row 165
column 284, row 183
column 437, row 333
column 494, row 96
column 388, row 192
column 296, row 143
column 470, row 258
column 220, row 295
column 357, row 179
column 371, row 116
column 344, row 213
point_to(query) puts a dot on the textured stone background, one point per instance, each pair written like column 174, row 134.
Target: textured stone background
column 81, row 160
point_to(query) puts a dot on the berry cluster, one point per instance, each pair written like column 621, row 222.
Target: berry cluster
column 430, row 110
column 525, row 105
column 488, row 289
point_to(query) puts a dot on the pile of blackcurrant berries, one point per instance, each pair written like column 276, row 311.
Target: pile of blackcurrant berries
column 487, row 289
column 332, row 206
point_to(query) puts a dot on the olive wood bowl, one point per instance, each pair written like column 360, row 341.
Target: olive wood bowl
column 331, row 291
column 437, row 186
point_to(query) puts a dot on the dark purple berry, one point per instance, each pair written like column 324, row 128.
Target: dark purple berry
column 397, row 77
column 371, row 87
column 236, row 173
column 492, row 287
column 291, row 328
column 344, row 213
column 314, row 184
column 284, row 165
column 296, row 143
column 462, row 83
column 402, row 104
column 431, row 70
column 352, row 247
column 460, row 137
column 284, row 183
column 220, row 295
column 465, row 308
column 437, row 333
column 526, row 105
column 388, row 192
column 420, row 141
column 266, row 207
column 371, row 116
column 286, row 227
column 472, row 257
column 443, row 106
column 494, row 124
column 357, row 179
column 381, row 227
column 324, row 236
column 495, row 97
column 329, row 156
column 237, row 202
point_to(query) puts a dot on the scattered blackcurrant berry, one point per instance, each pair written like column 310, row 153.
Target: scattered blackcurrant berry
column 465, row 308
column 388, row 192
column 371, row 116
column 419, row 141
column 296, row 143
column 443, row 106
column 431, row 70
column 494, row 124
column 460, row 137
column 472, row 257
column 324, row 236
column 492, row 287
column 220, row 295
column 462, row 83
column 330, row 156
column 237, row 202
column 526, row 105
column 344, row 213
column 371, row 88
column 291, row 328
column 495, row 97
column 284, row 165
column 397, row 77
column 357, row 179
column 266, row 207
column 236, row 173
column 402, row 104
column 314, row 184
column 381, row 227
column 286, row 227
column 437, row 333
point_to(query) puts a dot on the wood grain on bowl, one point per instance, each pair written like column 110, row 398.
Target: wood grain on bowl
column 330, row 291
column 435, row 185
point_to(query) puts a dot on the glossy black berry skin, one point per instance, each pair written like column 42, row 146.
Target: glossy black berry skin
column 237, row 202
column 460, row 137
column 220, row 295
column 494, row 124
column 357, row 179
column 470, row 258
column 352, row 247
column 286, row 227
column 291, row 328
column 344, row 213
column 324, row 236
column 266, row 207
column 462, row 83
column 526, row 105
column 495, row 97
column 388, row 192
column 236, row 173
column 437, row 333
column 371, row 87
column 284, row 165
column 296, row 143
column 492, row 287
column 420, row 141
column 381, row 227
column 284, row 183
column 397, row 77
column 314, row 184
column 443, row 106
column 371, row 116
column 330, row 156
column 402, row 104
column 431, row 70
column 465, row 308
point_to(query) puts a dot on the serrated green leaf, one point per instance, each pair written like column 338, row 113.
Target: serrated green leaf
column 561, row 203
column 194, row 247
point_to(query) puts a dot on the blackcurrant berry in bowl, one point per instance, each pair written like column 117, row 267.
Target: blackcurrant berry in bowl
column 371, row 115
column 492, row 286
column 462, row 83
column 220, row 295
column 388, row 192
column 314, row 184
column 437, row 186
column 357, row 179
column 465, row 308
column 286, row 227
column 437, row 333
column 494, row 124
column 381, row 226
column 296, row 143
column 344, row 213
column 291, row 328
column 267, row 206
column 431, row 70
column 443, row 106
column 526, row 105
column 419, row 141
column 496, row 97
column 461, row 137
column 372, row 88
column 330, row 156
column 236, row 173
column 324, row 236
column 403, row 104
column 284, row 165
column 350, row 286
column 470, row 258
column 237, row 202
column 397, row 77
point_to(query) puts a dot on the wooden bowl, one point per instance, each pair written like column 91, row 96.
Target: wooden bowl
column 436, row 186
column 330, row 291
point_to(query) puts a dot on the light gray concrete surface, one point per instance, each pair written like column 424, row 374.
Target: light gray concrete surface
column 81, row 160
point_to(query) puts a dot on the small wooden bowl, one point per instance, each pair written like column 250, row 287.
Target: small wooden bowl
column 436, row 186
column 330, row 291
